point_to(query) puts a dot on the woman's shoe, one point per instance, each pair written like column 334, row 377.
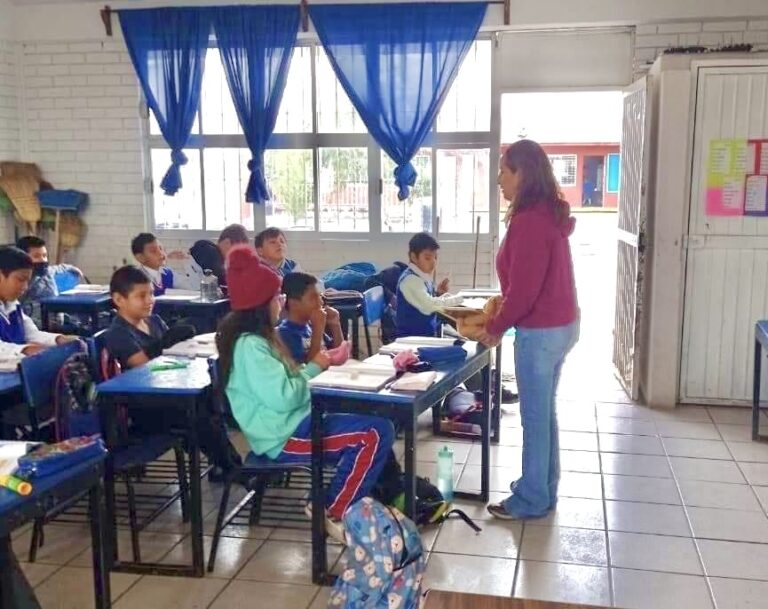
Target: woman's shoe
column 497, row 510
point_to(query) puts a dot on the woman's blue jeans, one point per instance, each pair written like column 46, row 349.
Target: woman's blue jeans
column 539, row 357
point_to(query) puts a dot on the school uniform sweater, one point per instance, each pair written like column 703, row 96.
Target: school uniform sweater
column 162, row 279
column 418, row 304
column 267, row 399
column 17, row 330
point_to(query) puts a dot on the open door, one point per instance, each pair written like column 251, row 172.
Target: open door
column 631, row 237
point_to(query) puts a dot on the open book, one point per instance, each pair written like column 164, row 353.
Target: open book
column 88, row 288
column 203, row 345
column 355, row 375
column 412, row 343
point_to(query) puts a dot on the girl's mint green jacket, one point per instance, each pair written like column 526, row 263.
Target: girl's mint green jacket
column 267, row 399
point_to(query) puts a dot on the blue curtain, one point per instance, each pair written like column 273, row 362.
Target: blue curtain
column 167, row 47
column 396, row 62
column 256, row 44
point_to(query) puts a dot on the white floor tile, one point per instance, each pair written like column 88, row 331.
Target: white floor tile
column 427, row 451
column 574, row 512
column 734, row 559
column 564, row 544
column 635, row 445
column 654, row 552
column 472, row 574
column 697, row 449
column 498, row 539
column 756, row 452
column 281, row 596
column 729, row 525
column 626, row 426
column 72, row 588
column 690, row 414
column 171, row 593
column 648, row 590
column 626, row 411
column 557, row 582
column 730, row 415
column 686, row 429
column 500, row 478
column 580, row 484
column 755, row 473
column 646, row 518
column 708, row 470
column 635, row 465
column 577, row 440
column 762, row 495
column 501, row 456
column 738, row 593
column 735, row 433
column 641, row 488
column 719, row 495
column 579, row 461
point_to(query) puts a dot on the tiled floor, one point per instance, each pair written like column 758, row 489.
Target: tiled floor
column 657, row 510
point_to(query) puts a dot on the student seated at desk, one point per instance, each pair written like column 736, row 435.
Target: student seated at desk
column 272, row 246
column 18, row 333
column 234, row 234
column 270, row 396
column 43, row 282
column 307, row 327
column 135, row 337
column 150, row 255
column 418, row 300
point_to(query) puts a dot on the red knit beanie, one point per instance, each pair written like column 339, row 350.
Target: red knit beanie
column 250, row 283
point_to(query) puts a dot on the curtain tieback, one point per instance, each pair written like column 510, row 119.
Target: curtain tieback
column 178, row 157
column 405, row 177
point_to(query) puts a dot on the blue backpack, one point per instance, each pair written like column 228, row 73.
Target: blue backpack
column 351, row 276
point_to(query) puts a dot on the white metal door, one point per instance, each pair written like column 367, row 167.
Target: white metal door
column 631, row 236
column 726, row 275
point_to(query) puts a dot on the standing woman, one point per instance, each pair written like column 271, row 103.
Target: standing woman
column 539, row 300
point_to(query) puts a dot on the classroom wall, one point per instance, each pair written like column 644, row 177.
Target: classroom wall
column 10, row 136
column 80, row 118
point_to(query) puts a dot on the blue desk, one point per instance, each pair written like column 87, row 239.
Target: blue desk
column 10, row 382
column 761, row 342
column 405, row 409
column 49, row 492
column 10, row 396
column 187, row 389
column 172, row 309
column 92, row 305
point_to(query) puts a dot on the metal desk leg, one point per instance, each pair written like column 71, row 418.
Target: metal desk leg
column 15, row 591
column 44, row 324
column 108, row 413
column 101, row 583
column 356, row 336
column 485, row 461
column 496, row 435
column 196, row 495
column 95, row 320
column 409, row 473
column 319, row 555
column 756, row 390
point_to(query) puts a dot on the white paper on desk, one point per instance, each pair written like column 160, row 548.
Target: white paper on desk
column 355, row 375
column 175, row 298
column 205, row 339
column 177, row 292
column 476, row 304
column 414, row 381
column 192, row 348
column 9, row 456
column 88, row 288
column 10, row 363
column 412, row 343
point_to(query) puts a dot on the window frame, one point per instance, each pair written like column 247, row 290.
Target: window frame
column 314, row 141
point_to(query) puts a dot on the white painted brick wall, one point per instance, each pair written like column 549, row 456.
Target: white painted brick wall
column 10, row 138
column 83, row 129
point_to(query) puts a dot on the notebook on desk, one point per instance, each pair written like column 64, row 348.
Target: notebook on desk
column 199, row 346
column 88, row 288
column 355, row 375
column 412, row 343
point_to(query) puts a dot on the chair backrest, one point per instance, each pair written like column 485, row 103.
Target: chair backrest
column 66, row 280
column 218, row 394
column 103, row 367
column 38, row 378
column 373, row 304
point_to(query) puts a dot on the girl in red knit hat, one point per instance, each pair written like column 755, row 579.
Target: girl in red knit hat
column 270, row 398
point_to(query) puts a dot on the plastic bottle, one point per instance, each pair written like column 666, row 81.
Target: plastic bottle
column 209, row 287
column 445, row 472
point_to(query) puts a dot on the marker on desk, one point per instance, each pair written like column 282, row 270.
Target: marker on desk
column 17, row 485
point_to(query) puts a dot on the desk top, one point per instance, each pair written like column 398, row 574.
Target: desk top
column 10, row 501
column 444, row 374
column 189, row 381
column 78, row 299
column 193, row 301
column 9, row 381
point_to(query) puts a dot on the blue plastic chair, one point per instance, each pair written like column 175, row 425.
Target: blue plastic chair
column 66, row 280
column 373, row 309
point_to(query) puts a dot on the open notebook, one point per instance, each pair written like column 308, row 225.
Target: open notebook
column 203, row 345
column 355, row 375
column 88, row 288
column 412, row 343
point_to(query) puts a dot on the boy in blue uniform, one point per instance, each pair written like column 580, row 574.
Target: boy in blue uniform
column 150, row 255
column 18, row 333
column 418, row 300
column 307, row 327
column 271, row 247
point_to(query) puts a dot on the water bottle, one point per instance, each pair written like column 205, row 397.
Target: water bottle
column 209, row 287
column 445, row 472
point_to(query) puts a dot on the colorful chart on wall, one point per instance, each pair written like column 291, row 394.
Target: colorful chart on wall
column 756, row 181
column 727, row 166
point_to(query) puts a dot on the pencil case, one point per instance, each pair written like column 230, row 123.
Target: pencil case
column 50, row 459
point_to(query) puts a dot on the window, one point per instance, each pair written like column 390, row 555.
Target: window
column 325, row 172
column 613, row 173
column 564, row 168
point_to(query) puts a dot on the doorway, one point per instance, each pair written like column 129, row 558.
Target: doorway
column 592, row 184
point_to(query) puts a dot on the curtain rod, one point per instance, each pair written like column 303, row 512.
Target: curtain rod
column 106, row 12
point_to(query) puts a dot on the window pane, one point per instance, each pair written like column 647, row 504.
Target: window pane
column 462, row 189
column 154, row 128
column 344, row 189
column 291, row 178
column 467, row 107
column 415, row 213
column 335, row 113
column 564, row 168
column 295, row 114
column 218, row 111
column 226, row 178
column 184, row 210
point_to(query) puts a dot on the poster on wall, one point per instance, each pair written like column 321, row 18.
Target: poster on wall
column 756, row 181
column 727, row 167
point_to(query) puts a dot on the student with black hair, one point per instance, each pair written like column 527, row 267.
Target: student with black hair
column 234, row 234
column 272, row 246
column 418, row 299
column 150, row 255
column 43, row 282
column 136, row 336
column 18, row 333
column 307, row 326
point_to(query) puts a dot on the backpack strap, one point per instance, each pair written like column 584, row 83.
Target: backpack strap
column 405, row 558
column 461, row 514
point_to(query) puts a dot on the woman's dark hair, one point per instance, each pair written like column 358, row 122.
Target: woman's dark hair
column 256, row 321
column 537, row 183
